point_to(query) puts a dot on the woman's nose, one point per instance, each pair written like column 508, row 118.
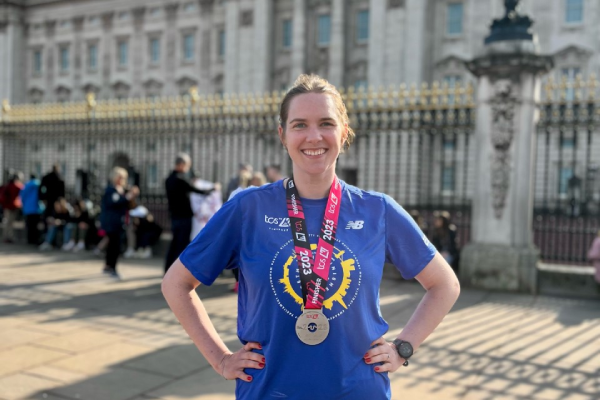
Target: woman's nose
column 314, row 135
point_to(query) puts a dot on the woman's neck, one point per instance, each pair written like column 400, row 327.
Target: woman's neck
column 314, row 186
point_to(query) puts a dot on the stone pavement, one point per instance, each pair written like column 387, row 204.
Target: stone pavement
column 68, row 332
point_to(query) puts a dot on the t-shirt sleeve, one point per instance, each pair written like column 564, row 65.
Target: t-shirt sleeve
column 406, row 246
column 217, row 246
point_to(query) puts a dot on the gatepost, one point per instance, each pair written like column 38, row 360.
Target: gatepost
column 501, row 254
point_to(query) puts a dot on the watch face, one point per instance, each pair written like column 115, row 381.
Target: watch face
column 405, row 349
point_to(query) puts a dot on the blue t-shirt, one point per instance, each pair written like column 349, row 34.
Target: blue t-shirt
column 252, row 231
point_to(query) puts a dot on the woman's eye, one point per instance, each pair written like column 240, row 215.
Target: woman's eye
column 300, row 125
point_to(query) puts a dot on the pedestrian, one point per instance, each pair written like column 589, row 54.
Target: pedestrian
column 204, row 206
column 116, row 201
column 234, row 182
column 243, row 183
column 178, row 190
column 52, row 187
column 274, row 173
column 78, row 227
column 62, row 213
column 594, row 257
column 298, row 315
column 32, row 209
column 258, row 179
column 443, row 237
column 11, row 204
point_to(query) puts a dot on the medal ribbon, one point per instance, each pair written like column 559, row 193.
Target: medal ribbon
column 314, row 272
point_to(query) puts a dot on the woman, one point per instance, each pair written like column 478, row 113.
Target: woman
column 115, row 204
column 310, row 329
column 444, row 238
column 77, row 227
column 62, row 214
column 594, row 257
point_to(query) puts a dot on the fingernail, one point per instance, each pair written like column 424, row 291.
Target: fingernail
column 376, row 368
column 366, row 354
column 260, row 347
column 263, row 359
column 367, row 359
column 250, row 378
column 261, row 365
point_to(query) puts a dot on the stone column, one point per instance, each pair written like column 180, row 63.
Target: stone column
column 336, row 52
column 232, row 19
column 206, row 27
column 137, row 48
column 12, row 53
column 171, row 47
column 377, row 20
column 298, row 39
column 79, row 53
column 108, row 45
column 501, row 254
column 263, row 42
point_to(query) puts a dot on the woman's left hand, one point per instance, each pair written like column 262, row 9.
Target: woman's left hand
column 384, row 353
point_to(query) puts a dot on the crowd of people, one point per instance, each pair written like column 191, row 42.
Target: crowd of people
column 118, row 224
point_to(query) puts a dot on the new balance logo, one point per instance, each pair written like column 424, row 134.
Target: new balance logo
column 355, row 225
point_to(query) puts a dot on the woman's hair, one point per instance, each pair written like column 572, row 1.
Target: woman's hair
column 244, row 179
column 258, row 179
column 118, row 172
column 315, row 84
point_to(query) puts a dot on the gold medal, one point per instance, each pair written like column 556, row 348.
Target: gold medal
column 312, row 327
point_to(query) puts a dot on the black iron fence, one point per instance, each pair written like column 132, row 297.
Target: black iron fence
column 415, row 145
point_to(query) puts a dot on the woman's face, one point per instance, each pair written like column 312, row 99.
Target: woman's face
column 314, row 133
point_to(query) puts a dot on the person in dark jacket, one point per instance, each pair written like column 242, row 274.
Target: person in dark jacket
column 115, row 204
column 51, row 189
column 178, row 194
column 32, row 209
column 11, row 203
column 61, row 215
column 443, row 238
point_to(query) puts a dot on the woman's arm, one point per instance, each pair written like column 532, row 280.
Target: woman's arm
column 178, row 287
column 442, row 287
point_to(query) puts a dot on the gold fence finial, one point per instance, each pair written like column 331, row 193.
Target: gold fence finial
column 90, row 97
column 5, row 106
column 194, row 94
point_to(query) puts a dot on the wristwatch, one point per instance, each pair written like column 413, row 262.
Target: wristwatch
column 404, row 349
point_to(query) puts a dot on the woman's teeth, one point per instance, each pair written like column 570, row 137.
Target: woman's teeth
column 316, row 152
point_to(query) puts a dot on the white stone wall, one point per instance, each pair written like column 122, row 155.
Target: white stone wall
column 408, row 43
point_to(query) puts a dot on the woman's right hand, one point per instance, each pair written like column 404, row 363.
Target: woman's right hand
column 232, row 366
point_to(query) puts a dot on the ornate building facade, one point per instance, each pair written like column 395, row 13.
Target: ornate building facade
column 53, row 50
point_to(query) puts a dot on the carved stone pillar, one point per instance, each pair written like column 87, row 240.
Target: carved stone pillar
column 501, row 254
column 108, row 46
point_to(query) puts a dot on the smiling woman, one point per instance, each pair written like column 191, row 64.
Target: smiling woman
column 308, row 290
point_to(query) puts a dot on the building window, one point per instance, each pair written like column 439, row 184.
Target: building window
column 362, row 26
column 449, row 144
column 452, row 81
column 188, row 47
column 154, row 50
column 123, row 46
column 37, row 61
column 567, row 143
column 448, row 179
column 454, row 19
column 324, row 29
column 152, row 175
column 570, row 74
column 222, row 43
column 93, row 56
column 574, row 11
column 64, row 59
column 565, row 174
column 189, row 7
column 287, row 33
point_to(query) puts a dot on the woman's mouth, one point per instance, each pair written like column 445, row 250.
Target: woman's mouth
column 314, row 152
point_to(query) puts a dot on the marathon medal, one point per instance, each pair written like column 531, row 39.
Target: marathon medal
column 312, row 327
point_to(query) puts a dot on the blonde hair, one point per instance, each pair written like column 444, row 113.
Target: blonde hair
column 244, row 179
column 258, row 179
column 315, row 84
column 118, row 172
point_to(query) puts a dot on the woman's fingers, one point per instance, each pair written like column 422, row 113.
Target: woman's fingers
column 244, row 377
column 252, row 345
column 379, row 341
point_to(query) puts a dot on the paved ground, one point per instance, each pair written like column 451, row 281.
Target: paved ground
column 67, row 332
